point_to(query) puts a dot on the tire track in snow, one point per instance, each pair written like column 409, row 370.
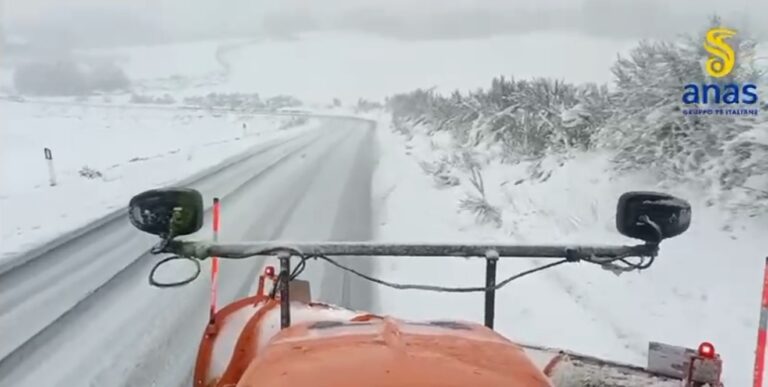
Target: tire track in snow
column 235, row 281
column 582, row 299
column 579, row 296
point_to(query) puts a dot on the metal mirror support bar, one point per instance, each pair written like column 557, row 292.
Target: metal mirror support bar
column 491, row 253
column 202, row 250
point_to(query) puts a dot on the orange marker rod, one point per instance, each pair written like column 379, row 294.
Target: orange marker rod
column 215, row 260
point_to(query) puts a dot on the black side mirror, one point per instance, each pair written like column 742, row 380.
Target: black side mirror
column 169, row 212
column 652, row 216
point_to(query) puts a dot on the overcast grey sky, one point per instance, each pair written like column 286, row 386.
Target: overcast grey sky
column 116, row 22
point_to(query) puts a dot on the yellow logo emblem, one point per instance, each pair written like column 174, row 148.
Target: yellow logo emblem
column 722, row 58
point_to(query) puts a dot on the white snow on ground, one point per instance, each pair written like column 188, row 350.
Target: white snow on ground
column 131, row 148
column 704, row 286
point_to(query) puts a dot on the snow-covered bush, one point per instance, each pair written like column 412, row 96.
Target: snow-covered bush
column 403, row 127
column 165, row 99
column 641, row 121
column 364, row 106
column 528, row 117
column 742, row 175
column 242, row 101
column 649, row 131
column 89, row 173
column 235, row 101
column 282, row 101
column 477, row 204
column 441, row 173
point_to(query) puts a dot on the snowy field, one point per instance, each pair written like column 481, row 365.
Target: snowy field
column 704, row 286
column 102, row 156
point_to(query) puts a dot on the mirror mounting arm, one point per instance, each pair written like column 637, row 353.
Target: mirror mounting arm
column 165, row 239
column 162, row 246
column 645, row 219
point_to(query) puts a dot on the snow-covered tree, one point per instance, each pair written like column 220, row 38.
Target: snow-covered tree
column 648, row 126
column 642, row 120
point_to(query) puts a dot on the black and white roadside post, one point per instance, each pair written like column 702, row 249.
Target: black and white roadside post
column 245, row 129
column 51, row 172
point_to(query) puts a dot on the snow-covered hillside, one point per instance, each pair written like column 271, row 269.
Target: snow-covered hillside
column 318, row 67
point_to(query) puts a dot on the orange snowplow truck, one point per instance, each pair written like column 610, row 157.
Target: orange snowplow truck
column 328, row 346
column 279, row 337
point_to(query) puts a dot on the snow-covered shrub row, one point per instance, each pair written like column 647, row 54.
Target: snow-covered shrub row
column 364, row 106
column 226, row 100
column 165, row 99
column 477, row 203
column 528, row 117
column 282, row 101
column 647, row 125
column 89, row 173
column 242, row 101
column 640, row 119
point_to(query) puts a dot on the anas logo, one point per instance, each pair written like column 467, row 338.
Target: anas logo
column 722, row 57
column 720, row 63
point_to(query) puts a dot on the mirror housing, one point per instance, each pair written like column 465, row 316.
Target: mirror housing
column 153, row 211
column 672, row 216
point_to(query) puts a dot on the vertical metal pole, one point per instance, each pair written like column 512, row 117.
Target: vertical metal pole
column 285, row 300
column 491, row 261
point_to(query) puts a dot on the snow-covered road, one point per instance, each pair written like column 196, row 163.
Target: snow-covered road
column 82, row 313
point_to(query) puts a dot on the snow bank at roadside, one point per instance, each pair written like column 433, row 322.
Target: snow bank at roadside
column 705, row 285
column 125, row 150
